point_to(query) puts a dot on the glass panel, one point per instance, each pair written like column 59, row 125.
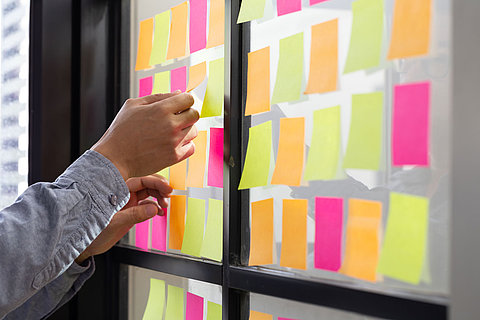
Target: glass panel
column 356, row 146
column 14, row 20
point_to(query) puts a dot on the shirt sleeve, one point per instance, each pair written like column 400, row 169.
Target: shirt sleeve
column 50, row 224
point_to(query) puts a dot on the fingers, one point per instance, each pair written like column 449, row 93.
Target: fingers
column 156, row 97
column 131, row 216
column 186, row 151
column 161, row 210
column 190, row 133
column 154, row 182
column 175, row 104
column 187, row 118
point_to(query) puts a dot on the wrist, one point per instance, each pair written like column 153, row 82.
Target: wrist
column 120, row 167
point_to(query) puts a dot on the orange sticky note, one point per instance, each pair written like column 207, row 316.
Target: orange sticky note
column 411, row 29
column 255, row 315
column 323, row 58
column 362, row 247
column 216, row 28
column 196, row 74
column 145, row 42
column 291, row 152
column 258, row 82
column 294, row 234
column 178, row 175
column 177, row 44
column 261, row 233
column 177, row 221
column 196, row 163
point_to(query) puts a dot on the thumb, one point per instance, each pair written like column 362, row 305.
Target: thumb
column 139, row 213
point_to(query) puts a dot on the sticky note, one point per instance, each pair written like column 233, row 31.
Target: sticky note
column 178, row 79
column 141, row 234
column 159, row 232
column 212, row 246
column 144, row 47
column 193, row 236
column 328, row 233
column 161, row 82
column 403, row 251
column 194, row 307
column 257, row 160
column 177, row 44
column 323, row 74
column 261, row 233
column 312, row 2
column 255, row 315
column 213, row 101
column 288, row 6
column 258, row 82
column 216, row 28
column 175, row 303
column 196, row 75
column 251, row 10
column 156, row 300
column 214, row 311
column 196, row 163
column 366, row 38
column 365, row 137
column 164, row 173
column 160, row 38
column 178, row 175
column 411, row 124
column 411, row 28
column 288, row 84
column 215, row 158
column 362, row 245
column 294, row 234
column 198, row 25
column 291, row 151
column 145, row 86
column 177, row 221
column 323, row 155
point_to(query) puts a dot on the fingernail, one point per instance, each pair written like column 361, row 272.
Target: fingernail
column 178, row 91
column 151, row 210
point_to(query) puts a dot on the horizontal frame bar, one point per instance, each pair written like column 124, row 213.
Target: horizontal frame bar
column 167, row 263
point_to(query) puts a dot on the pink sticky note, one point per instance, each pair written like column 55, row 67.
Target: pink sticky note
column 178, row 79
column 215, row 158
column 145, row 86
column 159, row 231
column 141, row 234
column 328, row 233
column 312, row 2
column 198, row 25
column 288, row 6
column 194, row 307
column 411, row 113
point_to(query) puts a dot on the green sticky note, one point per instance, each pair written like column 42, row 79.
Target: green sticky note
column 251, row 10
column 156, row 300
column 160, row 38
column 366, row 38
column 175, row 304
column 365, row 137
column 212, row 246
column 193, row 235
column 404, row 247
column 213, row 101
column 161, row 82
column 322, row 161
column 165, row 173
column 214, row 311
column 257, row 161
column 288, row 85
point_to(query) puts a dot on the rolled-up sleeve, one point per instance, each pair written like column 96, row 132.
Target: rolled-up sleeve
column 48, row 227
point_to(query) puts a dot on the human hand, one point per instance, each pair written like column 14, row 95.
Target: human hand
column 150, row 134
column 138, row 209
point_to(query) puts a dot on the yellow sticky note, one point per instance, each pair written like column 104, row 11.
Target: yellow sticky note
column 323, row 74
column 144, row 48
column 257, row 160
column 291, row 151
column 213, row 101
column 175, row 304
column 160, row 38
column 161, row 82
column 362, row 246
column 411, row 29
column 196, row 74
column 404, row 247
column 216, row 28
column 255, row 315
column 178, row 175
column 177, row 221
column 196, row 163
column 261, row 233
column 251, row 10
column 177, row 44
column 212, row 246
column 156, row 300
column 294, row 234
column 214, row 311
column 164, row 173
column 258, row 82
column 193, row 236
